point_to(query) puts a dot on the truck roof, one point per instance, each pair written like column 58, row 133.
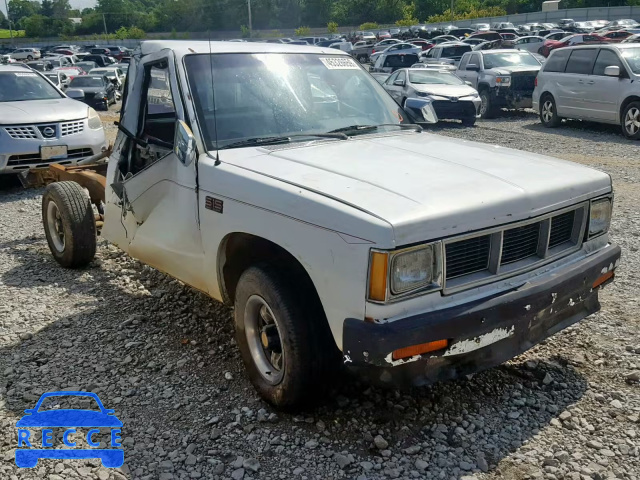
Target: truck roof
column 186, row 47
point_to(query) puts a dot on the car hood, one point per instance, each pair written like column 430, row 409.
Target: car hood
column 69, row 418
column 41, row 111
column 446, row 90
column 511, row 70
column 428, row 186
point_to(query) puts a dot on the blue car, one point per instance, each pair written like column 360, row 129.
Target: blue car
column 71, row 418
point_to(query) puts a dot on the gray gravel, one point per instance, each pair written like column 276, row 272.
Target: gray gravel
column 163, row 356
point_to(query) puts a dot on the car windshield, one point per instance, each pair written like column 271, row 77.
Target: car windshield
column 260, row 95
column 21, row 86
column 455, row 51
column 433, row 77
column 632, row 56
column 496, row 60
column 86, row 81
column 66, row 402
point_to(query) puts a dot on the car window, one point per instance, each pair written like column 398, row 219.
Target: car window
column 23, row 86
column 463, row 62
column 400, row 61
column 402, row 76
column 581, row 61
column 557, row 61
column 393, row 77
column 474, row 59
column 159, row 98
column 606, row 58
column 632, row 56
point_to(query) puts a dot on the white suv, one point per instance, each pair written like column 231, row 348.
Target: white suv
column 600, row 83
column 25, row 54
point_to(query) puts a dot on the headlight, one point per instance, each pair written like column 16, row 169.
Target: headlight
column 422, row 94
column 405, row 271
column 503, row 80
column 94, row 119
column 599, row 216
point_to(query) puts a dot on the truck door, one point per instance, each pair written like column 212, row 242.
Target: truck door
column 152, row 199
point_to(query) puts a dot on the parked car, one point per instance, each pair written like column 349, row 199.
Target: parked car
column 95, row 90
column 473, row 41
column 39, row 125
column 375, row 245
column 59, row 79
column 114, row 74
column 100, row 60
column 40, row 65
column 632, row 39
column 70, row 72
column 480, row 27
column 60, row 61
column 504, row 78
column 487, row 36
column 362, row 50
column 423, row 44
column 624, row 23
column 397, row 48
column 444, row 38
column 529, row 43
column 508, row 39
column 596, row 83
column 392, row 61
column 616, row 36
column 383, row 34
column 100, row 51
column 452, row 99
column 446, row 53
column 565, row 22
column 502, row 25
column 556, row 36
column 86, row 66
column 570, row 41
column 117, row 52
column 26, row 54
column 580, row 27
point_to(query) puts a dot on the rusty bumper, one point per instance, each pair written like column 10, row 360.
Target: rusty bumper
column 481, row 334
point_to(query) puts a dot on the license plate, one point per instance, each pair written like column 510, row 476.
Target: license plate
column 53, row 152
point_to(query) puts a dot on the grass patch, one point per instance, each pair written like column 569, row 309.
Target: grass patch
column 16, row 33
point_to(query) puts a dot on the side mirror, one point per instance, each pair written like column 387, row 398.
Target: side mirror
column 612, row 71
column 473, row 67
column 75, row 93
column 421, row 110
column 399, row 83
column 184, row 143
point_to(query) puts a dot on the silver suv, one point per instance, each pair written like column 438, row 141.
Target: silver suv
column 40, row 125
column 600, row 83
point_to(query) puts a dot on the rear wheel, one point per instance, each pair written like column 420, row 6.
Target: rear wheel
column 548, row 112
column 631, row 121
column 69, row 224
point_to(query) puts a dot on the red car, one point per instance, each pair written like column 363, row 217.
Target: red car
column 617, row 36
column 570, row 41
column 423, row 44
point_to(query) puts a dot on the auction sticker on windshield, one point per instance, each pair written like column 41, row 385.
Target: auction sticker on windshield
column 339, row 63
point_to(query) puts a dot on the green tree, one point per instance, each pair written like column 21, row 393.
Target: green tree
column 20, row 9
column 332, row 27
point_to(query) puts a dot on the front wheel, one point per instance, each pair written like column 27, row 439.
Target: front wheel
column 487, row 108
column 285, row 346
column 548, row 112
column 631, row 121
column 29, row 57
column 69, row 224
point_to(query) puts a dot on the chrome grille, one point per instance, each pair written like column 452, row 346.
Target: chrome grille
column 520, row 243
column 70, row 128
column 502, row 251
column 31, row 159
column 21, row 132
column 468, row 256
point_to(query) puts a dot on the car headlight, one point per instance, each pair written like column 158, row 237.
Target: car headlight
column 401, row 272
column 422, row 94
column 599, row 216
column 503, row 80
column 94, row 119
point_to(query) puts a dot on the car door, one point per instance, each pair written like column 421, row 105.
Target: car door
column 397, row 85
column 533, row 45
column 472, row 75
column 576, row 78
column 388, row 83
column 602, row 92
column 152, row 200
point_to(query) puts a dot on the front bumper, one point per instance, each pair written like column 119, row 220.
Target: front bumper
column 481, row 334
column 510, row 98
column 447, row 109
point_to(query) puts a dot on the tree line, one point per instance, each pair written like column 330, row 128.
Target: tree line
column 53, row 17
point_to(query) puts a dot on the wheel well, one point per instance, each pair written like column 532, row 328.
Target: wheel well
column 239, row 251
column 626, row 102
column 483, row 86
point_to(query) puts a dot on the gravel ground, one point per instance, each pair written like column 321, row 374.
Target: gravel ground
column 163, row 356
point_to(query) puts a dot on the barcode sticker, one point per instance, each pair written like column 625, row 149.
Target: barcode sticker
column 23, row 74
column 339, row 63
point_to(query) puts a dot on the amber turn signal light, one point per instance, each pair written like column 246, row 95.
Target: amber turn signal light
column 378, row 276
column 419, row 349
column 603, row 279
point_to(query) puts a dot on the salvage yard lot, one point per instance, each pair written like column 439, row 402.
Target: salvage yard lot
column 164, row 357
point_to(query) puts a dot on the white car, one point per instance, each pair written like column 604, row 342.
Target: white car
column 39, row 125
column 529, row 43
column 404, row 48
column 25, row 54
column 342, row 232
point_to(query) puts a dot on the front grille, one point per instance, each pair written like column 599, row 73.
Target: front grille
column 468, row 256
column 449, row 109
column 520, row 243
column 34, row 158
column 524, row 82
column 21, row 132
column 70, row 128
column 561, row 229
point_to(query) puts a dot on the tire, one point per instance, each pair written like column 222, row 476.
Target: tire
column 29, row 57
column 69, row 224
column 487, row 108
column 631, row 121
column 469, row 122
column 307, row 349
column 548, row 112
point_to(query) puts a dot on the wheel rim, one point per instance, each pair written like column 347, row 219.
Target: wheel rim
column 264, row 340
column 632, row 121
column 483, row 104
column 547, row 111
column 54, row 224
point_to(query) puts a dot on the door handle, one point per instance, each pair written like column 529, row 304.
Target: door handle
column 581, row 82
column 591, row 82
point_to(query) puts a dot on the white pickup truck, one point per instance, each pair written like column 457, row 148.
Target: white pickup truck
column 285, row 181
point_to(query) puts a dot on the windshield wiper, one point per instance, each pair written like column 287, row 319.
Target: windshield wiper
column 256, row 141
column 367, row 128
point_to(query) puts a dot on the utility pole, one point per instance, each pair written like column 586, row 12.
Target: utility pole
column 6, row 7
column 250, row 25
column 104, row 22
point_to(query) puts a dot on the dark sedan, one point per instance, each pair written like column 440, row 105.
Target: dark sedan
column 97, row 90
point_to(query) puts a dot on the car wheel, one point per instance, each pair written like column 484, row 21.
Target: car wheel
column 548, row 112
column 487, row 108
column 69, row 224
column 285, row 345
column 29, row 57
column 631, row 121
column 469, row 121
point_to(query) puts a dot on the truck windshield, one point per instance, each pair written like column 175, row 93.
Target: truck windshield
column 496, row 60
column 257, row 95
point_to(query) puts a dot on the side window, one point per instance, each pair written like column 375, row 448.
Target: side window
column 557, row 61
column 401, row 76
column 463, row 62
column 581, row 61
column 474, row 59
column 159, row 112
column 392, row 78
column 606, row 58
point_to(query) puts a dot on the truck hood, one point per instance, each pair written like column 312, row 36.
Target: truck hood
column 510, row 70
column 41, row 111
column 428, row 186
